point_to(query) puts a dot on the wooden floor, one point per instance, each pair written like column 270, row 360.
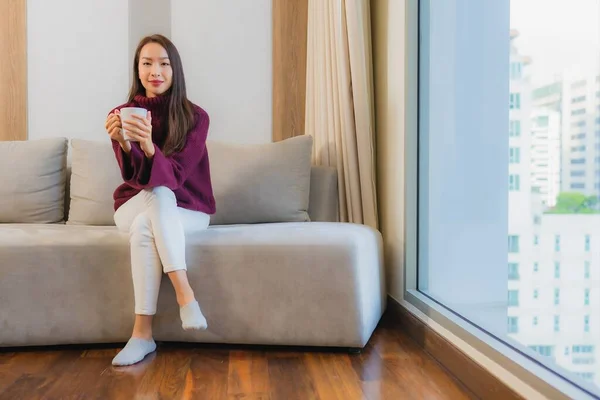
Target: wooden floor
column 392, row 366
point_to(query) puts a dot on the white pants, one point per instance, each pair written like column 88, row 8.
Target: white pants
column 157, row 229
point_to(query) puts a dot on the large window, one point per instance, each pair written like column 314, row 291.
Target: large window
column 487, row 67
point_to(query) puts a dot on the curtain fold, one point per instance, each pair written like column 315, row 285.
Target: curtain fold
column 339, row 102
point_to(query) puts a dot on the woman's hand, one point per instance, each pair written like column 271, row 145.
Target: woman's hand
column 140, row 130
column 113, row 127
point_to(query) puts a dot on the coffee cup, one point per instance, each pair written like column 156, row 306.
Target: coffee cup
column 126, row 115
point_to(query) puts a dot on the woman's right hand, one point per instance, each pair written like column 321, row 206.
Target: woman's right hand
column 113, row 128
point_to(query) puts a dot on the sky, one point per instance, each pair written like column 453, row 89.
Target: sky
column 558, row 35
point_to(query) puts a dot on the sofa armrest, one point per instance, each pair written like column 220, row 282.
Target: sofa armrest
column 323, row 203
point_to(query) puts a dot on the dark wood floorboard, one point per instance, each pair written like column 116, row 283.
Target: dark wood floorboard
column 392, row 366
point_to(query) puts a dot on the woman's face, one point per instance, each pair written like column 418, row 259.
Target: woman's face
column 155, row 69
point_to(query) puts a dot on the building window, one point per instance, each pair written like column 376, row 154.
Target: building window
column 547, row 351
column 578, row 99
column 556, row 296
column 516, row 70
column 576, row 161
column 577, row 174
column 536, row 293
column 556, row 242
column 513, row 271
column 586, row 297
column 586, row 270
column 587, row 242
column 513, row 298
column 513, row 324
column 514, row 155
column 578, row 111
column 536, row 240
column 513, row 244
column 583, row 349
column 514, row 183
column 556, row 270
column 588, row 376
column 557, row 323
column 535, row 321
column 578, row 186
column 515, row 101
column 586, row 323
column 536, row 267
column 542, row 121
column 583, row 361
column 514, row 129
column 578, row 148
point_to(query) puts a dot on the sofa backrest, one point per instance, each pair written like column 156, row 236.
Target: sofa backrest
column 272, row 182
column 322, row 206
column 277, row 166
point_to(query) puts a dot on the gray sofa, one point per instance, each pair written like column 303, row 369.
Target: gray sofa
column 273, row 278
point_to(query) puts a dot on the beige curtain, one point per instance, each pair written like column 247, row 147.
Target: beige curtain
column 339, row 102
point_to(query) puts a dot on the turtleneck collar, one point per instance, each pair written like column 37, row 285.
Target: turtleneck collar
column 156, row 104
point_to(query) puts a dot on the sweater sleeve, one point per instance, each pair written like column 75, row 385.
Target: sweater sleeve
column 131, row 165
column 173, row 170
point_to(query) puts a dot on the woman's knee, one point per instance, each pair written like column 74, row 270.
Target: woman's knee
column 163, row 193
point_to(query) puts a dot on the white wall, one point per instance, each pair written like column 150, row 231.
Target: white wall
column 226, row 50
column 77, row 65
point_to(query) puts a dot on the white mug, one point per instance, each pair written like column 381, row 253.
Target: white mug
column 126, row 114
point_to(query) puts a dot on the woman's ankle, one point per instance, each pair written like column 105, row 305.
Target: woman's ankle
column 142, row 328
column 186, row 297
column 142, row 335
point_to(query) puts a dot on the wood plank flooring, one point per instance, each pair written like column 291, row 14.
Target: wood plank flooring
column 392, row 366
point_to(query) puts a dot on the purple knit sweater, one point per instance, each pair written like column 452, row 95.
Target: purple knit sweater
column 186, row 173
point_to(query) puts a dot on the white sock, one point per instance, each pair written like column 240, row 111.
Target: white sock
column 134, row 351
column 191, row 317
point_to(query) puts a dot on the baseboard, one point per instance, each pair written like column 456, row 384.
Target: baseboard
column 473, row 376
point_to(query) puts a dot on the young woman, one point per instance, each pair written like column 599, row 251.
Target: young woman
column 166, row 191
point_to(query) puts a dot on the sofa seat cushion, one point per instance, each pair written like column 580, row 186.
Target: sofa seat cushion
column 314, row 283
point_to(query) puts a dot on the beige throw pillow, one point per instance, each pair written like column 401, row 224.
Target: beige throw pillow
column 33, row 180
column 95, row 175
column 261, row 182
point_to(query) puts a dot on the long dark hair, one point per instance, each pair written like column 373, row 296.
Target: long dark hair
column 180, row 110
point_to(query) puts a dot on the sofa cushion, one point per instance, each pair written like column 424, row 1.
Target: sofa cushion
column 306, row 284
column 261, row 182
column 94, row 177
column 251, row 183
column 33, row 180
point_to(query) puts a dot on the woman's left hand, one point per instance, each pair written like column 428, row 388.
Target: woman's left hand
column 140, row 130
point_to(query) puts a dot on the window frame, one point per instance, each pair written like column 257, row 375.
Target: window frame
column 534, row 370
